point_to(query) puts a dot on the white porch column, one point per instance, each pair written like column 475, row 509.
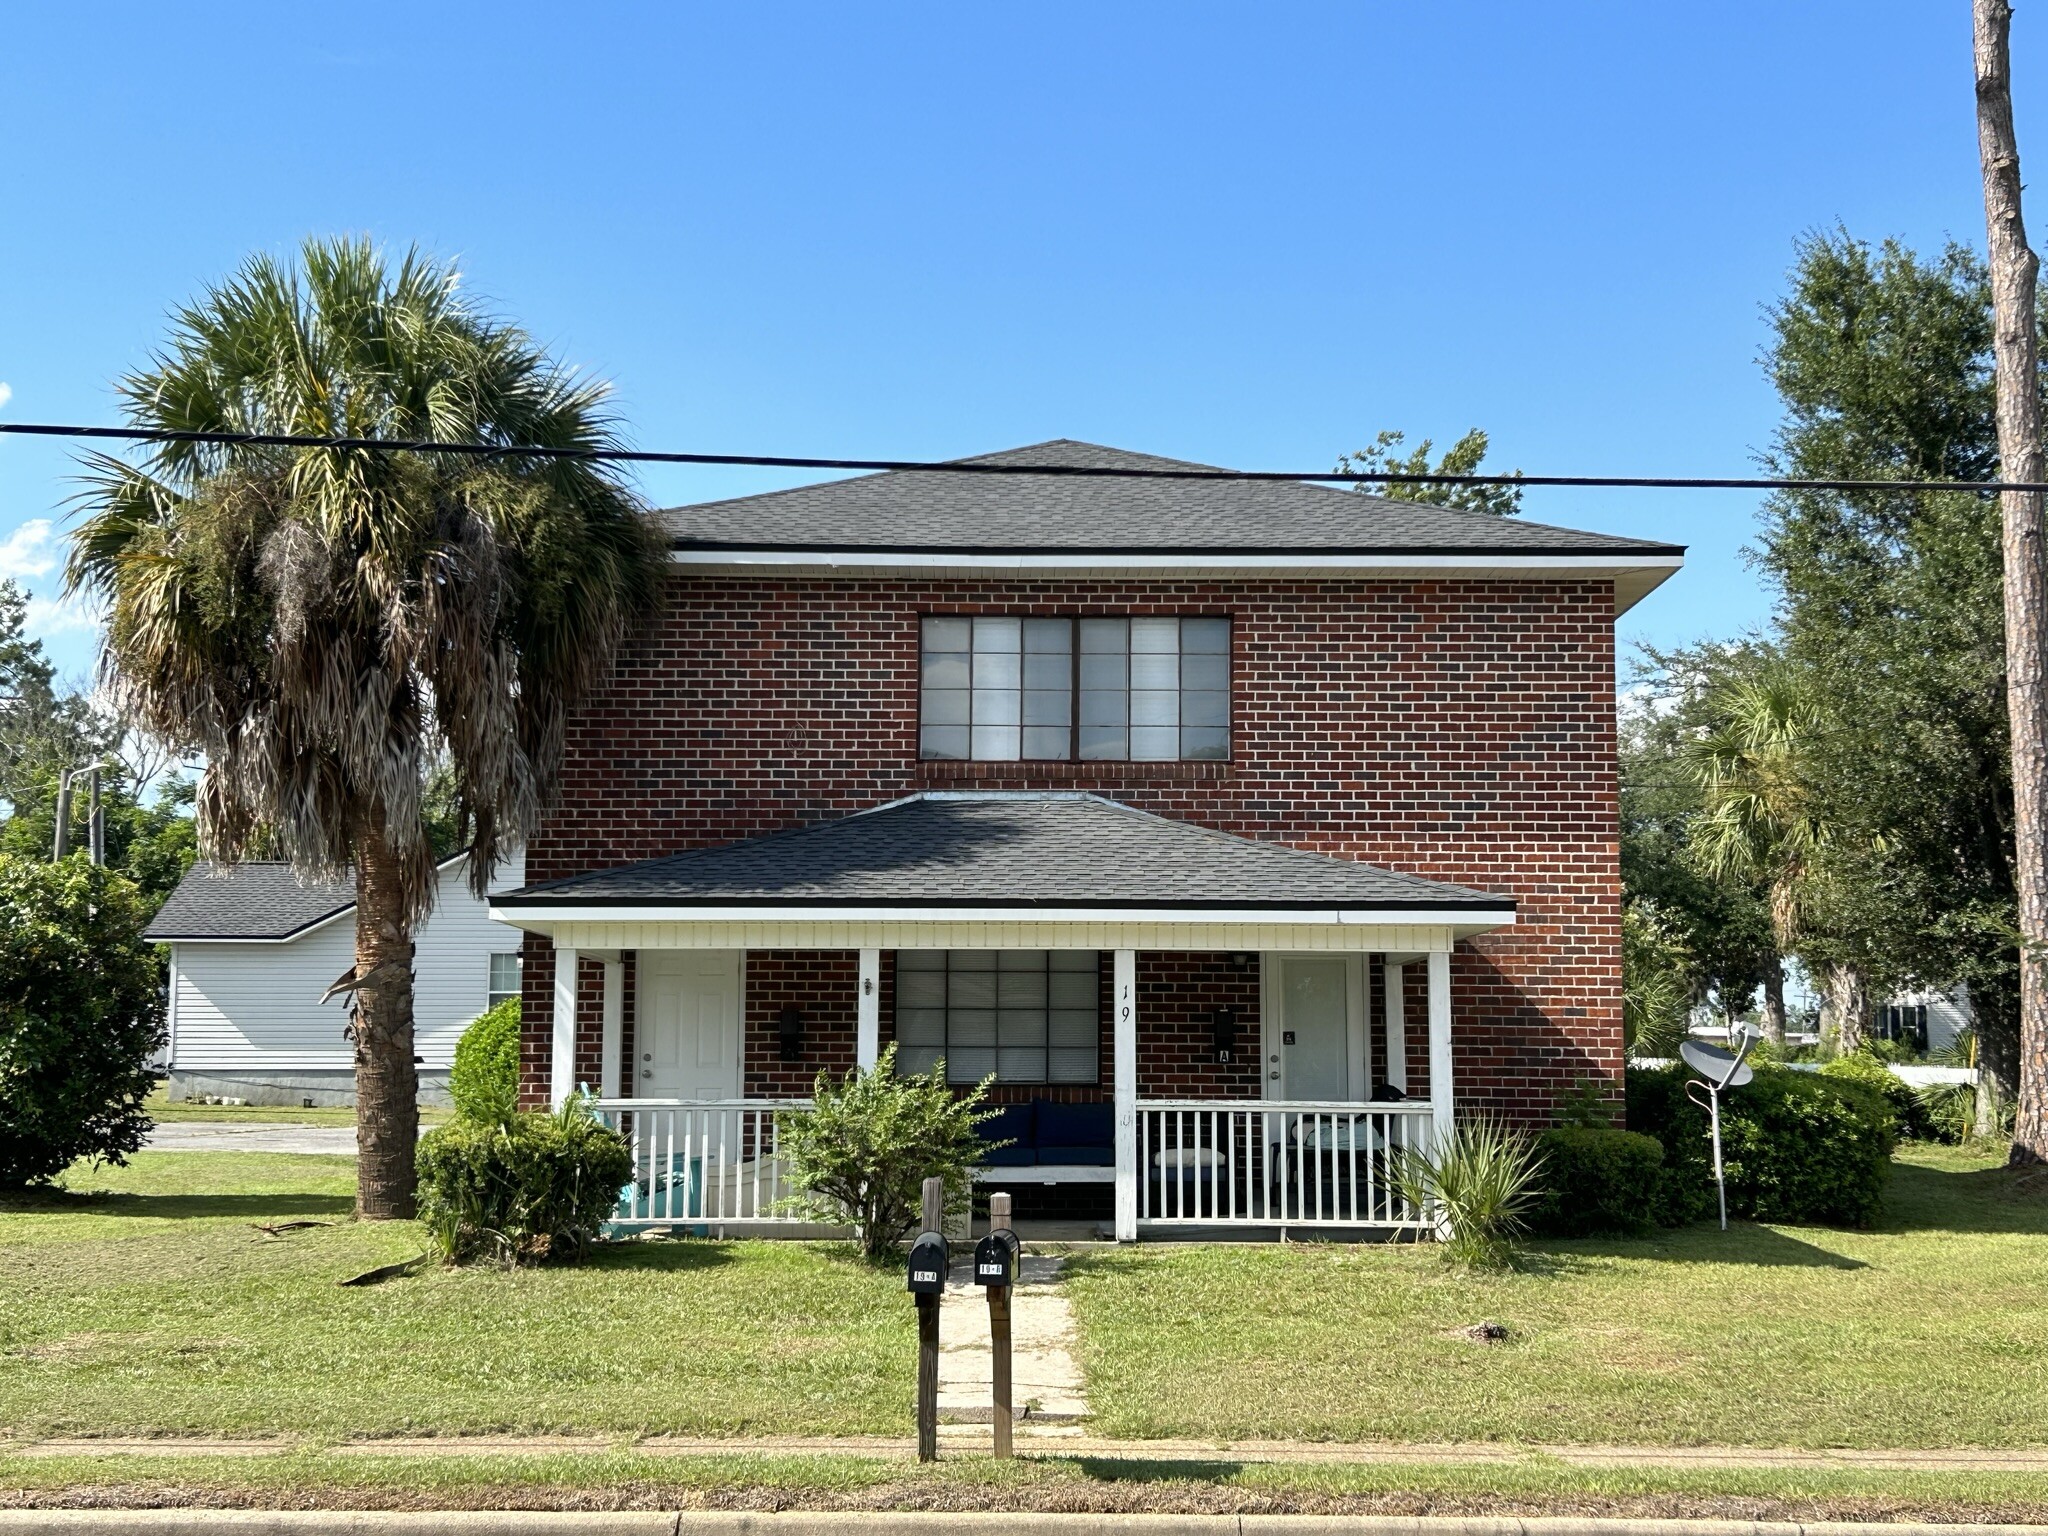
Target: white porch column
column 1441, row 1103
column 867, row 1035
column 1124, row 1000
column 562, row 1074
column 1397, row 1026
column 614, row 1028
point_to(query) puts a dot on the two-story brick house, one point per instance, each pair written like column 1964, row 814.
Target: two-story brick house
column 1242, row 830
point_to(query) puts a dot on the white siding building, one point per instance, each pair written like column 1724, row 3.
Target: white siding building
column 253, row 950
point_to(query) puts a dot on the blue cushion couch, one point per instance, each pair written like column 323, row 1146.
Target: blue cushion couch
column 1045, row 1134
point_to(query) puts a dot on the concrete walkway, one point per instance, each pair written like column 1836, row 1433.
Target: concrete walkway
column 243, row 1136
column 1045, row 1383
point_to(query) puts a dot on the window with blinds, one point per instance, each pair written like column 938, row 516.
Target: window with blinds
column 1024, row 1015
column 1005, row 689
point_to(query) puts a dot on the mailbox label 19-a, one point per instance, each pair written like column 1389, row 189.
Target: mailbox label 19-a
column 924, row 1276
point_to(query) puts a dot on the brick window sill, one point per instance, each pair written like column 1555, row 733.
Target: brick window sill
column 954, row 772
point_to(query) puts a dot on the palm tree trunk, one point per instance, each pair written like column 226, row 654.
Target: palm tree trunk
column 387, row 1079
column 1846, row 1006
column 1774, row 1001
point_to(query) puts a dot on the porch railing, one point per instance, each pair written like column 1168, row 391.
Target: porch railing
column 1241, row 1163
column 710, row 1164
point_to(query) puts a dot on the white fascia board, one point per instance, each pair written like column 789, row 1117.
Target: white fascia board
column 1463, row 917
column 1173, row 562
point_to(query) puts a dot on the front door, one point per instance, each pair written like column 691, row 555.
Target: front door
column 1313, row 1042
column 688, row 1035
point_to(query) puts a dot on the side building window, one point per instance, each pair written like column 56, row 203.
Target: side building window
column 504, row 980
column 1026, row 1015
column 1003, row 689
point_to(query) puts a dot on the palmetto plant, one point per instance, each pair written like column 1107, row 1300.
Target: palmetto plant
column 1479, row 1184
column 324, row 623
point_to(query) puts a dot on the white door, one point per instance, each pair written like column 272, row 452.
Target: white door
column 1309, row 1054
column 688, row 1034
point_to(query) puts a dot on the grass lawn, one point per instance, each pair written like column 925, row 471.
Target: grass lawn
column 627, row 1479
column 157, row 1308
column 1928, row 1331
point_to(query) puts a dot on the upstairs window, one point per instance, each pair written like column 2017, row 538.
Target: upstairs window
column 1003, row 689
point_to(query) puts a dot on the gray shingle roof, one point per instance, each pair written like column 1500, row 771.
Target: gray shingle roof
column 252, row 901
column 1007, row 850
column 926, row 510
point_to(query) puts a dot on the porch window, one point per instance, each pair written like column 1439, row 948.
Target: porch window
column 1026, row 1015
column 1005, row 689
column 504, row 978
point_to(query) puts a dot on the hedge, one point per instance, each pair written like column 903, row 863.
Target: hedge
column 1797, row 1146
column 1597, row 1182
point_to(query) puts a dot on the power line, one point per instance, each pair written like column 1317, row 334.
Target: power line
column 983, row 467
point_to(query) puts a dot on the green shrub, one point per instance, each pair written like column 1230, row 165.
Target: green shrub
column 861, row 1154
column 1597, row 1181
column 1910, row 1114
column 81, row 1018
column 484, row 1081
column 1658, row 1108
column 1586, row 1105
column 1481, row 1184
column 531, row 1186
column 1797, row 1146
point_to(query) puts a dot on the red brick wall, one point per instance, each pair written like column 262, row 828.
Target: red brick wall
column 1460, row 730
column 825, row 986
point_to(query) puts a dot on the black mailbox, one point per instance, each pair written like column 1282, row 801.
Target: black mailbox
column 928, row 1265
column 995, row 1259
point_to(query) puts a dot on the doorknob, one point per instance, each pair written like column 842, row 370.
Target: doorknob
column 649, row 1072
column 1274, row 1075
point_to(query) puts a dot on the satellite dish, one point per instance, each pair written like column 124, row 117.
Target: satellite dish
column 1718, row 1069
column 1722, row 1068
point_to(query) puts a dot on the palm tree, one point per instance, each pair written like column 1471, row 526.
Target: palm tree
column 325, row 623
column 1757, row 821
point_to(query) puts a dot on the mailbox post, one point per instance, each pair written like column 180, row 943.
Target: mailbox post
column 995, row 1266
column 928, row 1284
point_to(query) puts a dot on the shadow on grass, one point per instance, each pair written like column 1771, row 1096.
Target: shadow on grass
column 1117, row 1469
column 1981, row 1200
column 242, row 1207
column 1703, row 1243
column 661, row 1257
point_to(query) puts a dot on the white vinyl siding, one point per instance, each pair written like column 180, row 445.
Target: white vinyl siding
column 248, row 1007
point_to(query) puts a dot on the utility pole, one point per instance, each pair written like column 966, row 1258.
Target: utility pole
column 2016, row 360
column 96, row 815
column 95, row 820
column 61, row 844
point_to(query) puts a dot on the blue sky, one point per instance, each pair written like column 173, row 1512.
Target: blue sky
column 1251, row 235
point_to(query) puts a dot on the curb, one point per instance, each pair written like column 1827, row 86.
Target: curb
column 208, row 1522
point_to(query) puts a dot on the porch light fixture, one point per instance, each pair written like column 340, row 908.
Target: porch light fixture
column 1240, row 962
column 789, row 1034
column 1223, row 1034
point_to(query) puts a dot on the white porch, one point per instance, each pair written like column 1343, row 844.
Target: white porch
column 976, row 885
column 1244, row 1164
